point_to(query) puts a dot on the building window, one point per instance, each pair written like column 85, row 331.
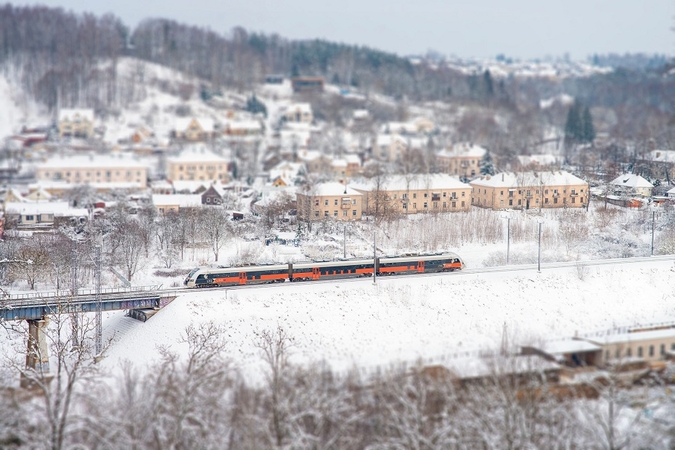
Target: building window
column 454, row 204
column 617, row 353
column 510, row 202
column 344, row 213
column 463, row 203
column 30, row 217
column 325, row 213
column 639, row 352
column 415, row 195
column 415, row 205
column 335, row 213
column 316, row 202
column 353, row 212
column 354, row 202
column 651, row 350
column 555, row 199
column 425, row 205
column 316, row 213
column 663, row 349
column 325, row 202
column 629, row 352
column 336, row 202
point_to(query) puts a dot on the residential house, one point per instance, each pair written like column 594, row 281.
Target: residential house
column 173, row 203
column 287, row 174
column 42, row 215
column 411, row 194
column 100, row 171
column 76, row 123
column 650, row 345
column 194, row 129
column 395, row 147
column 307, row 84
column 525, row 190
column 197, row 163
column 298, row 112
column 242, row 128
column 330, row 200
column 661, row 164
column 462, row 160
column 631, row 185
column 211, row 196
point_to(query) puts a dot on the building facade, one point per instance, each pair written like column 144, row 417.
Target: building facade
column 197, row 163
column 330, row 200
column 91, row 169
column 412, row 194
column 76, row 123
column 527, row 190
column 462, row 160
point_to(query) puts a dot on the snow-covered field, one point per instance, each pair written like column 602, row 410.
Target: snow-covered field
column 407, row 319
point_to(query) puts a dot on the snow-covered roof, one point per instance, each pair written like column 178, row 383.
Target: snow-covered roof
column 542, row 160
column 182, row 200
column 534, row 178
column 360, row 114
column 436, row 181
column 632, row 181
column 76, row 114
column 635, row 336
column 243, row 125
column 207, row 124
column 563, row 346
column 119, row 160
column 194, row 153
column 662, row 156
column 463, row 149
column 299, row 107
column 334, row 189
column 477, row 367
column 59, row 209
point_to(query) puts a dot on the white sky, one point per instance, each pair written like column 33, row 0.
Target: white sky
column 465, row 28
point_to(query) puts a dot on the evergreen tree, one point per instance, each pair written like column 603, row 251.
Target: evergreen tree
column 588, row 128
column 486, row 165
column 256, row 106
column 573, row 125
column 489, row 85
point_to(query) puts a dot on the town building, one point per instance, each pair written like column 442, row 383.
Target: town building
column 330, row 200
column 76, row 123
column 525, row 190
column 307, row 84
column 299, row 113
column 462, row 160
column 193, row 129
column 411, row 194
column 197, row 163
column 631, row 185
column 103, row 170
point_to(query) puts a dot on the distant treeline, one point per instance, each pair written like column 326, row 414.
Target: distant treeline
column 70, row 59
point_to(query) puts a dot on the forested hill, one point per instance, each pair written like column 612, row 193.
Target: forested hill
column 70, row 59
column 59, row 48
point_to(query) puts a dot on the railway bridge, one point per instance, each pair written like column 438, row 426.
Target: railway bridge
column 36, row 307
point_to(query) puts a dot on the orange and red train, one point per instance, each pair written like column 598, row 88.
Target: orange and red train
column 309, row 271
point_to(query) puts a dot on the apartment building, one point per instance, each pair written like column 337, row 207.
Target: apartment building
column 114, row 169
column 197, row 163
column 411, row 194
column 330, row 200
column 462, row 160
column 525, row 190
column 76, row 123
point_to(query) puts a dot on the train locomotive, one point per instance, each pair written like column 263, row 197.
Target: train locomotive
column 311, row 271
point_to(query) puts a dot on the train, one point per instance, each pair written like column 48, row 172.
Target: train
column 312, row 271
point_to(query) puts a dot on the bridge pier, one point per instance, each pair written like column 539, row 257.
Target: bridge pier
column 37, row 355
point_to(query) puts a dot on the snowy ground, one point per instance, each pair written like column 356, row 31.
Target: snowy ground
column 403, row 320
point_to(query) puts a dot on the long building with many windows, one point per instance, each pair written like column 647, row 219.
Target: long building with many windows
column 528, row 190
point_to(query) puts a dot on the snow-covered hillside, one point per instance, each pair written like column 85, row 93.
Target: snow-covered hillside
column 430, row 318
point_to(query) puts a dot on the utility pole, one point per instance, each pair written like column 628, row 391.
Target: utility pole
column 374, row 259
column 508, row 238
column 539, row 250
column 653, row 220
column 99, row 312
column 344, row 242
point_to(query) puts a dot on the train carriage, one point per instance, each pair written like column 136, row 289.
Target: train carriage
column 333, row 269
column 445, row 262
column 231, row 276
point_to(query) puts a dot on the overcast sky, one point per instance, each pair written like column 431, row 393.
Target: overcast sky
column 467, row 28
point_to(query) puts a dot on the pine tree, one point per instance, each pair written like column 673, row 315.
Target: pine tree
column 573, row 125
column 588, row 134
column 486, row 165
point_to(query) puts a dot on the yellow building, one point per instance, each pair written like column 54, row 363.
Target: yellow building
column 461, row 159
column 411, row 194
column 525, row 190
column 117, row 169
column 197, row 163
column 330, row 200
column 76, row 123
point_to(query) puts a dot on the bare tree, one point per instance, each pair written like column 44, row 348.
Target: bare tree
column 215, row 227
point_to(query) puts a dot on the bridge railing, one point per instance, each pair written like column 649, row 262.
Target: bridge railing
column 30, row 297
